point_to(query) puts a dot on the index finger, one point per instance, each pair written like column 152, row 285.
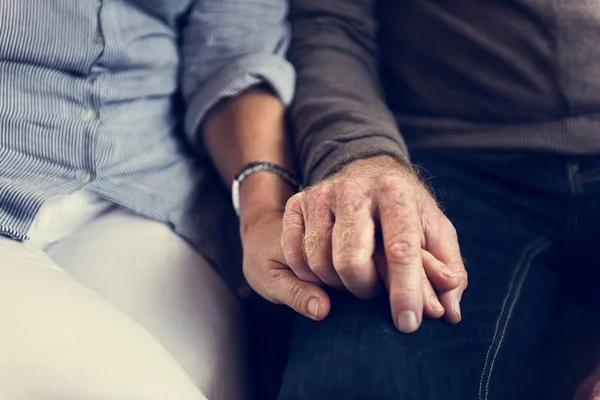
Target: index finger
column 401, row 229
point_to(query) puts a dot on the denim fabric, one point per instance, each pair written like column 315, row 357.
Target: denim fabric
column 528, row 227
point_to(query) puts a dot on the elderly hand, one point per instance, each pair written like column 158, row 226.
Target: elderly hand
column 330, row 236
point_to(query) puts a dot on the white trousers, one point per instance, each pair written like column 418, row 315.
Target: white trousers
column 104, row 305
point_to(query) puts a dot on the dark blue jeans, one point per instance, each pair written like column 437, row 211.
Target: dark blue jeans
column 529, row 229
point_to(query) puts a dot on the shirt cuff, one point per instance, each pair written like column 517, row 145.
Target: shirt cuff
column 236, row 78
column 337, row 155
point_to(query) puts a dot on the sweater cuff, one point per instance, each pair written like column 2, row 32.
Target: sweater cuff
column 338, row 154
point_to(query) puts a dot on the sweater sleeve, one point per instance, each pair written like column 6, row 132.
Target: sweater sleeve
column 339, row 113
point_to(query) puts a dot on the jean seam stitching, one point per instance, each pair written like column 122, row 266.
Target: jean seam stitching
column 572, row 223
column 529, row 253
column 592, row 175
column 539, row 249
column 497, row 328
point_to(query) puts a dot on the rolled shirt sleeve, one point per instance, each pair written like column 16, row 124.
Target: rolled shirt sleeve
column 229, row 46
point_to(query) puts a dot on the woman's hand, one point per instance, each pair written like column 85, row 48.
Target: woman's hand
column 267, row 274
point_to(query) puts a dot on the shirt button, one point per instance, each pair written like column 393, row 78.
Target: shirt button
column 94, row 73
column 99, row 40
column 87, row 114
column 93, row 76
column 97, row 70
column 82, row 176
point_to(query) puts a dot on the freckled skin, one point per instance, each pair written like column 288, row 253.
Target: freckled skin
column 371, row 204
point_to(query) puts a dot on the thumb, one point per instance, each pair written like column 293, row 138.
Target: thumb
column 305, row 298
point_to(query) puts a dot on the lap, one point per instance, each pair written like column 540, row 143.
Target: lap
column 60, row 340
column 157, row 279
column 357, row 353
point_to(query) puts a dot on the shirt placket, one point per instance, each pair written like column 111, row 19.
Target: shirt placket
column 91, row 112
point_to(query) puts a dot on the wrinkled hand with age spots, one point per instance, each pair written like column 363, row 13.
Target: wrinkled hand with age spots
column 375, row 222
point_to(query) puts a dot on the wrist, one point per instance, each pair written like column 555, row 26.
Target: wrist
column 262, row 193
column 381, row 164
column 246, row 128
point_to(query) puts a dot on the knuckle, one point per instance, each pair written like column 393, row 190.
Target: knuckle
column 273, row 276
column 346, row 235
column 295, row 295
column 464, row 278
column 320, row 190
column 322, row 200
column 310, row 243
column 294, row 201
column 292, row 223
column 319, row 267
column 315, row 249
column 318, row 194
column 350, row 187
column 389, row 184
column 322, row 216
column 350, row 199
column 397, row 202
column 293, row 218
column 401, row 251
column 347, row 210
column 462, row 273
column 346, row 262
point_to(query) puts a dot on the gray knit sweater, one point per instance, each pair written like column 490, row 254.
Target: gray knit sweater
column 449, row 74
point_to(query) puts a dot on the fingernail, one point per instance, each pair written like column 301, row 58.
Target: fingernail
column 407, row 321
column 435, row 303
column 457, row 309
column 313, row 307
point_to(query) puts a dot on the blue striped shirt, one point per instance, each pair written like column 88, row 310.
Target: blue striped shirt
column 89, row 95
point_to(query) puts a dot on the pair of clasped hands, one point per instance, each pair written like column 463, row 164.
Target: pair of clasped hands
column 372, row 224
column 330, row 237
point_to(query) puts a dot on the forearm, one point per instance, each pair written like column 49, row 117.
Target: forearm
column 339, row 112
column 243, row 129
column 228, row 46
